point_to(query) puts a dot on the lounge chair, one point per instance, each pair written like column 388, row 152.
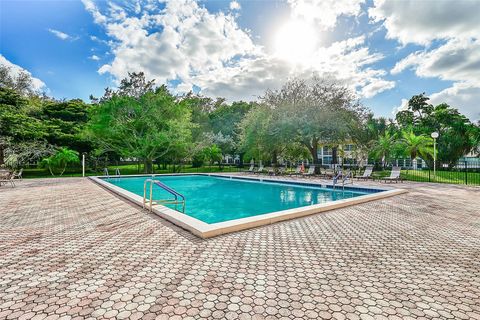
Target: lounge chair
column 394, row 175
column 298, row 171
column 250, row 170
column 367, row 174
column 260, row 169
column 310, row 172
column 329, row 174
column 281, row 171
column 18, row 175
column 7, row 178
column 270, row 171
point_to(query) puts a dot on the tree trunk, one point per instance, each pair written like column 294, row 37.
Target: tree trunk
column 314, row 152
column 2, row 155
column 274, row 158
column 335, row 156
column 313, row 148
column 63, row 170
column 148, row 166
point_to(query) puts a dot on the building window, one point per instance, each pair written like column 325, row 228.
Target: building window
column 327, row 160
column 348, row 147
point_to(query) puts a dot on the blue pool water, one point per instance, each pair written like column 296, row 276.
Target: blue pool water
column 216, row 199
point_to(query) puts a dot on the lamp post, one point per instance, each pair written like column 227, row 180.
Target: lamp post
column 434, row 135
column 83, row 164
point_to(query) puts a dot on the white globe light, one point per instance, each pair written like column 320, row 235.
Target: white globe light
column 434, row 135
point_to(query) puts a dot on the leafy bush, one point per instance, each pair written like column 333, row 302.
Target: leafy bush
column 60, row 160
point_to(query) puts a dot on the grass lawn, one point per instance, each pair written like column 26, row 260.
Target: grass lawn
column 455, row 177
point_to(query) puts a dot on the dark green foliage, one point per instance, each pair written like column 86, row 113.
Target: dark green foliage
column 456, row 132
column 66, row 121
column 150, row 127
column 58, row 162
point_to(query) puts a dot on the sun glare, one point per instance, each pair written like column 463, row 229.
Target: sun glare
column 295, row 42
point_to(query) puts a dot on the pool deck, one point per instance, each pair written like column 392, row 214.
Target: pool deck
column 71, row 249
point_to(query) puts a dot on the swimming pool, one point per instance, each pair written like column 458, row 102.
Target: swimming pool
column 217, row 199
column 216, row 204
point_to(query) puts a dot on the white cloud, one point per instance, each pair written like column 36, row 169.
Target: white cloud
column 402, row 107
column 463, row 96
column 59, row 34
column 456, row 59
column 94, row 57
column 211, row 51
column 325, row 13
column 234, row 5
column 412, row 21
column 37, row 84
column 92, row 8
column 346, row 61
column 376, row 87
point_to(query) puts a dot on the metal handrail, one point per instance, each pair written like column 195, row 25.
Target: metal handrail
column 344, row 178
column 151, row 202
column 170, row 190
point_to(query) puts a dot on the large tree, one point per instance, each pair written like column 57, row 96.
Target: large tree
column 456, row 132
column 17, row 124
column 261, row 137
column 147, row 127
column 66, row 120
column 224, row 123
column 366, row 134
column 315, row 111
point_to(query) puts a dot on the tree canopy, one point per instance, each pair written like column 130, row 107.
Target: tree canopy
column 142, row 122
column 456, row 133
column 146, row 127
column 306, row 113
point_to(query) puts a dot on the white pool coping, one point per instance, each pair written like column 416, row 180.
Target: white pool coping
column 205, row 230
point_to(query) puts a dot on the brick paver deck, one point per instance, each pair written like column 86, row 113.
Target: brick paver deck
column 70, row 249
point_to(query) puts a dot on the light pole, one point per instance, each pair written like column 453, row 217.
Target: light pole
column 83, row 164
column 434, row 135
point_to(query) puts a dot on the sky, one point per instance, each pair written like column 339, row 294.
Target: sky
column 384, row 51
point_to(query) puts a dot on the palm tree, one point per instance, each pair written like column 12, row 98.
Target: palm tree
column 414, row 145
column 64, row 157
column 48, row 163
column 61, row 159
column 384, row 146
column 365, row 135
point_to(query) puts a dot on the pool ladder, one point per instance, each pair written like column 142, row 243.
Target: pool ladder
column 106, row 174
column 346, row 179
column 149, row 202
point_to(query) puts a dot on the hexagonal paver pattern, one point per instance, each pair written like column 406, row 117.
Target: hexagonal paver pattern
column 72, row 250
